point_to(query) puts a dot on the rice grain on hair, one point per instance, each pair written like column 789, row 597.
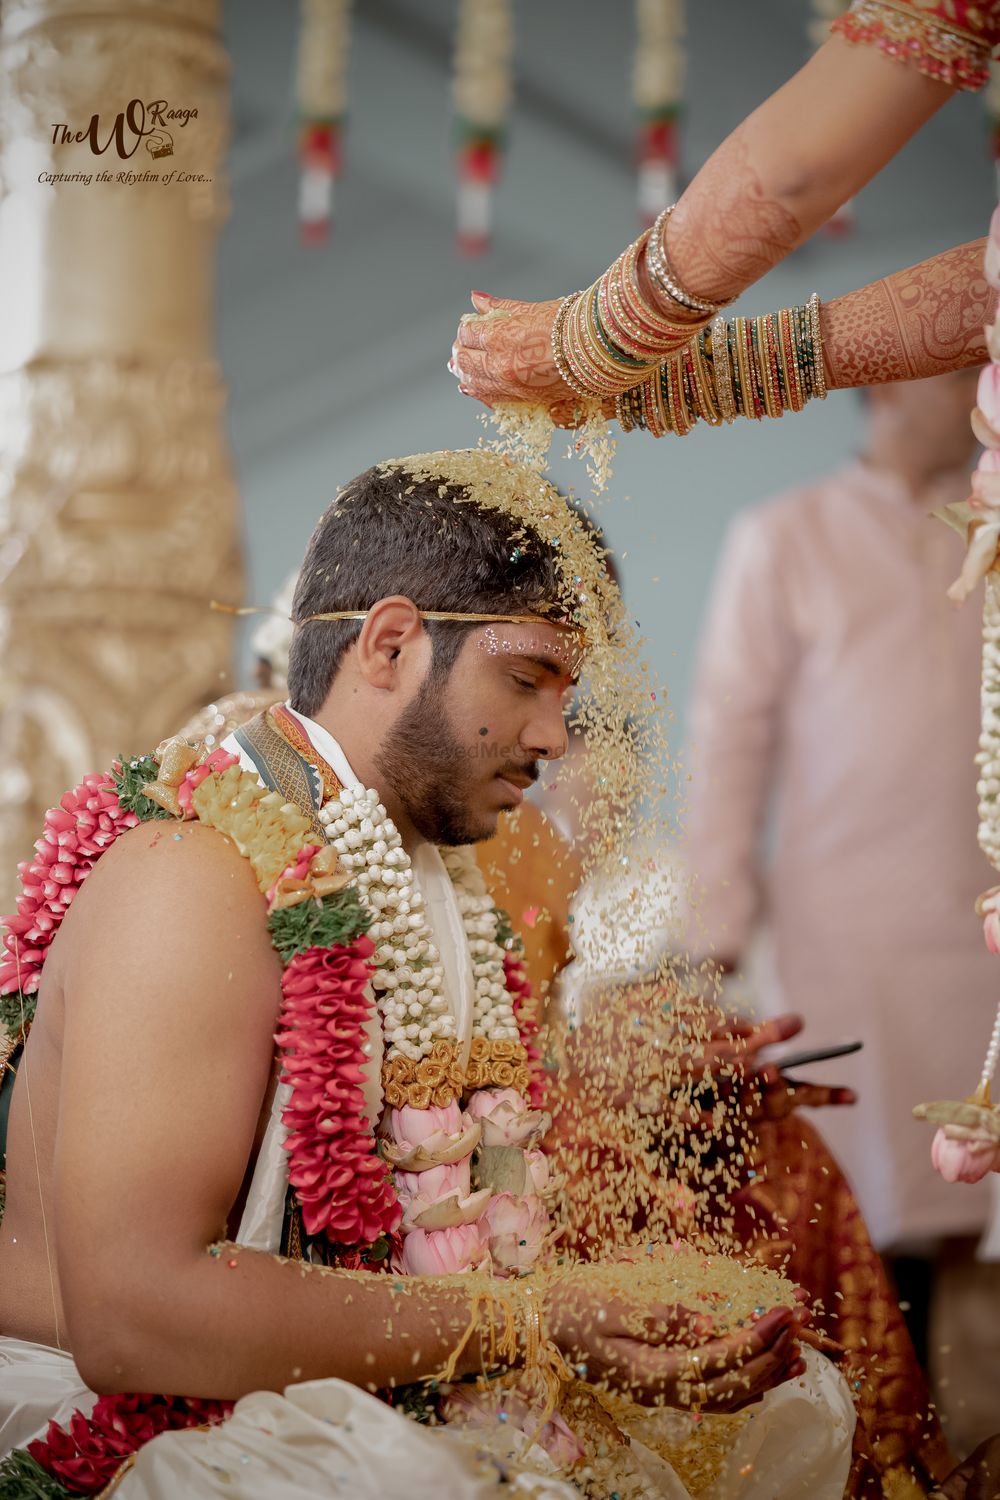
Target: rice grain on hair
column 388, row 532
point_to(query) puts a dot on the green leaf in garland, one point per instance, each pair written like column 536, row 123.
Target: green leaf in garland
column 22, row 1478
column 17, row 1010
column 505, row 929
column 130, row 776
column 327, row 923
column 506, row 936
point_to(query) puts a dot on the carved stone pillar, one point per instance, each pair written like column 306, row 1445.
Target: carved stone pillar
column 118, row 510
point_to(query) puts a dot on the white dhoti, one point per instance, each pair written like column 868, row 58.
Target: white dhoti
column 38, row 1385
column 326, row 1438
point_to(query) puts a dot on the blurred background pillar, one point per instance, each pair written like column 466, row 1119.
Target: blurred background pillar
column 118, row 508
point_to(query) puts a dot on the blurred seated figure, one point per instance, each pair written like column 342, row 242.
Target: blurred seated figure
column 780, row 1187
column 837, row 689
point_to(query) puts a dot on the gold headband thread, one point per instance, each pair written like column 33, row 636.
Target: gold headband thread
column 425, row 614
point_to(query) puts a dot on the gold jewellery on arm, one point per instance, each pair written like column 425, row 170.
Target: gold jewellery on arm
column 746, row 367
column 609, row 337
column 665, row 373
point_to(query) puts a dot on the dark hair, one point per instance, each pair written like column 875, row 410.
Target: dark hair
column 388, row 533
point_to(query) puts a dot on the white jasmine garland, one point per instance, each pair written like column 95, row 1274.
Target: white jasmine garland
column 988, row 785
column 409, row 976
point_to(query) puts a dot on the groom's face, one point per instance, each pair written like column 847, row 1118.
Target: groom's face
column 469, row 743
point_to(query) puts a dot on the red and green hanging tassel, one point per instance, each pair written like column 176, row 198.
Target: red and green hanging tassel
column 482, row 91
column 321, row 91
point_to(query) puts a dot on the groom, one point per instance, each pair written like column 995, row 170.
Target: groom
column 430, row 661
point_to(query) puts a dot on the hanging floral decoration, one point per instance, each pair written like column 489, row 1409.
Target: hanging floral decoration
column 482, row 92
column 967, row 1143
column 321, row 95
column 658, row 93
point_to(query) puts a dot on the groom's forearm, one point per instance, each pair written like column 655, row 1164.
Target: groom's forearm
column 240, row 1321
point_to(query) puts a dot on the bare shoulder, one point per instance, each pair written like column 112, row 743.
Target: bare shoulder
column 176, row 895
column 170, row 867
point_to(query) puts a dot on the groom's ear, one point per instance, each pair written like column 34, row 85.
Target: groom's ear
column 392, row 641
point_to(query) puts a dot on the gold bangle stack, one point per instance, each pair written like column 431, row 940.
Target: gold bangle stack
column 607, row 339
column 746, row 367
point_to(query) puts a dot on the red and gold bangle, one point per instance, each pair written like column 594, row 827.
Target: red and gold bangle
column 658, row 388
column 623, row 413
column 768, row 379
column 793, row 382
column 616, row 370
column 633, row 336
column 559, row 356
column 750, row 409
column 590, row 362
column 653, row 423
column 680, row 415
column 703, row 385
column 616, row 323
column 667, row 333
column 772, row 356
column 756, row 381
column 598, row 376
column 722, row 370
column 819, row 372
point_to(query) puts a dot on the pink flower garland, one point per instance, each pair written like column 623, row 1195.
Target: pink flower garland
column 87, row 1455
column 343, row 1185
column 76, row 834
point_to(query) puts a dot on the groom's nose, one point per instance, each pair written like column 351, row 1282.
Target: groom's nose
column 544, row 736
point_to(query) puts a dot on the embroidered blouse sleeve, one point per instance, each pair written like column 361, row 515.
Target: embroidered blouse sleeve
column 948, row 40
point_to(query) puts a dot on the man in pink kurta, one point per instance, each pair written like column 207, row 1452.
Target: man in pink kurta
column 833, row 807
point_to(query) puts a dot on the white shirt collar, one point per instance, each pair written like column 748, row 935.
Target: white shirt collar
column 329, row 748
column 434, row 884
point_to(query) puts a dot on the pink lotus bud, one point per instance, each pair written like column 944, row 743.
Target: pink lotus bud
column 443, row 1252
column 436, row 1182
column 986, row 479
column 415, row 1125
column 506, row 1117
column 518, row 1227
column 988, row 394
column 991, row 931
column 992, row 264
column 965, row 1160
column 538, row 1168
column 467, row 1407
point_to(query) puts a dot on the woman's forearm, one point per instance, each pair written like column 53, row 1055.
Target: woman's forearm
column 918, row 322
column 792, row 163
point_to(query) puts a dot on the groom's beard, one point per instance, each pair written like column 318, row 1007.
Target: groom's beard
column 426, row 767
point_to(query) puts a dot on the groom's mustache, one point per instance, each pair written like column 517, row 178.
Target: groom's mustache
column 522, row 775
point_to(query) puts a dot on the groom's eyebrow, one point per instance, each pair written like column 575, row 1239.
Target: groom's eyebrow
column 548, row 664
